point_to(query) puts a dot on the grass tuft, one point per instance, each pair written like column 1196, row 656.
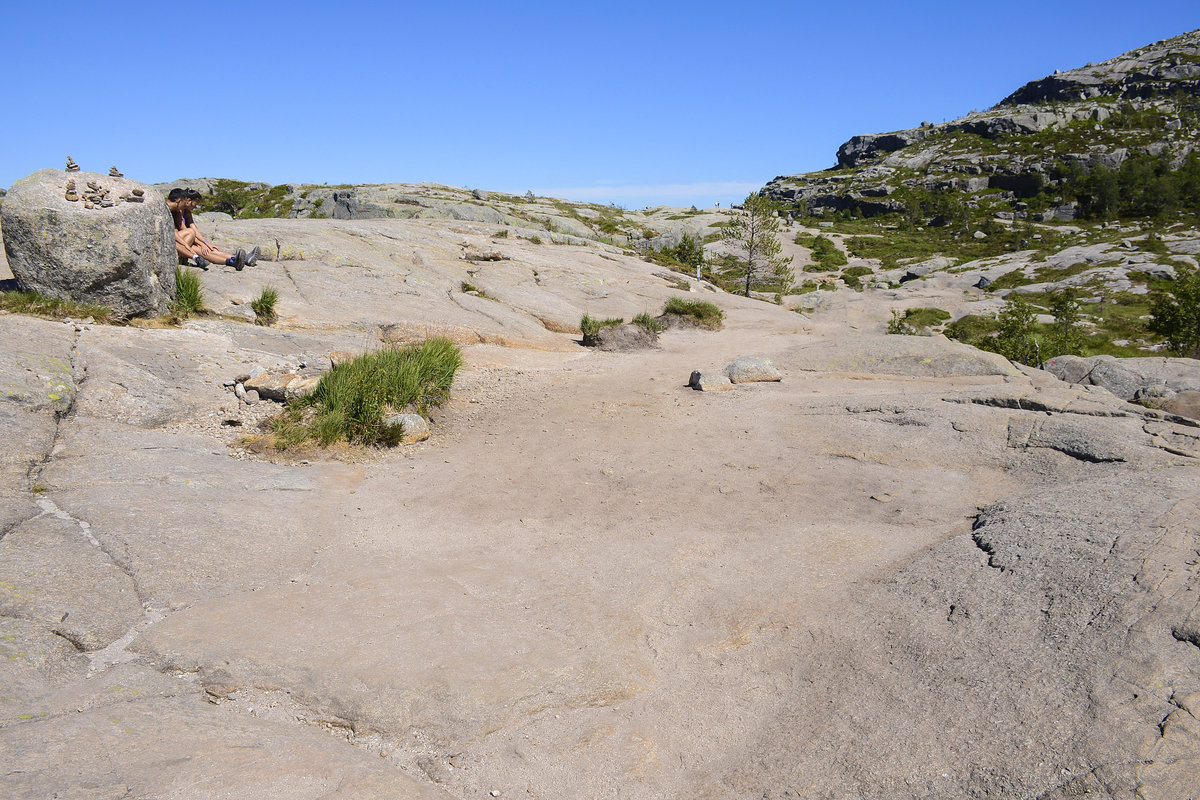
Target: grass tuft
column 264, row 306
column 648, row 322
column 39, row 305
column 189, row 296
column 590, row 326
column 702, row 311
column 353, row 399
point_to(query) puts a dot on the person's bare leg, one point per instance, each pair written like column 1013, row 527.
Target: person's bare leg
column 213, row 254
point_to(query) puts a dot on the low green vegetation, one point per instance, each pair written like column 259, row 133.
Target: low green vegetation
column 1115, row 326
column 853, row 276
column 589, row 326
column 825, row 253
column 189, row 295
column 39, row 305
column 245, row 200
column 1175, row 314
column 916, row 320
column 701, row 311
column 264, row 306
column 648, row 322
column 353, row 400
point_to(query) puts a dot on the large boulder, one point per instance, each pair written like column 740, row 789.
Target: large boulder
column 110, row 245
column 1128, row 378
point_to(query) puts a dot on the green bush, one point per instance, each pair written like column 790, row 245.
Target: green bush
column 1175, row 314
column 702, row 311
column 264, row 306
column 352, row 400
column 189, row 295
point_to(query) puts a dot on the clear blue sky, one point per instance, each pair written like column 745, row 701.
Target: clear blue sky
column 636, row 103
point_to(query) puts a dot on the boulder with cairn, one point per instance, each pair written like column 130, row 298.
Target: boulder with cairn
column 91, row 246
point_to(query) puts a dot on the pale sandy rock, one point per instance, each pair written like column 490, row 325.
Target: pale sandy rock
column 751, row 369
column 710, row 381
column 416, row 429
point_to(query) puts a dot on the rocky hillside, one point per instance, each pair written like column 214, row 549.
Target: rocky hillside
column 1144, row 102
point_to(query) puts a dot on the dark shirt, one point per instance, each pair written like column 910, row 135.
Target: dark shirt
column 183, row 219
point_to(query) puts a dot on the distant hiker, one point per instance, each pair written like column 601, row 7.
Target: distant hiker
column 190, row 244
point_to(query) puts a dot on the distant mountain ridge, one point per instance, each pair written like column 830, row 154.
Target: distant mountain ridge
column 1144, row 101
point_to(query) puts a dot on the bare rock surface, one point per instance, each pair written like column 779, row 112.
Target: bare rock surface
column 909, row 570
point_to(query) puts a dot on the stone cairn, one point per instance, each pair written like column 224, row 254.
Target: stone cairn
column 95, row 195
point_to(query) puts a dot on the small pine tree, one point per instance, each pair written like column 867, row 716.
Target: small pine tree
column 1175, row 315
column 1064, row 338
column 754, row 231
column 1015, row 339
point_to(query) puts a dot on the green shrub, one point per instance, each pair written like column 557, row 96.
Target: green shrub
column 264, row 306
column 39, row 305
column 535, row 239
column 702, row 311
column 352, row 400
column 189, row 295
column 1175, row 314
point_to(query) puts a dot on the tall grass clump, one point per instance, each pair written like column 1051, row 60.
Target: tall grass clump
column 264, row 306
column 701, row 312
column 189, row 296
column 353, row 399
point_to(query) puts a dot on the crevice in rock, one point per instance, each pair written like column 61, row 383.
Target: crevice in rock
column 74, row 640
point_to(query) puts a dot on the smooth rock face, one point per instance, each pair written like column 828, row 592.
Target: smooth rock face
column 750, row 370
column 116, row 253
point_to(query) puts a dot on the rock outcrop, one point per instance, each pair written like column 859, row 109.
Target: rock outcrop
column 985, row 150
column 91, row 238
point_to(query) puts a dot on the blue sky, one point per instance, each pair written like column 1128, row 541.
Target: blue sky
column 635, row 103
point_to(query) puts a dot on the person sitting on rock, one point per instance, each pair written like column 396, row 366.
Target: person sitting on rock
column 190, row 244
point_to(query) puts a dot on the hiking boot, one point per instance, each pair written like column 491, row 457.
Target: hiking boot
column 252, row 257
column 200, row 261
column 239, row 259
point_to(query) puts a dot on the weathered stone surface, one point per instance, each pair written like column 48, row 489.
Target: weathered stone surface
column 624, row 338
column 710, row 381
column 1125, row 377
column 751, row 369
column 282, row 387
column 117, row 254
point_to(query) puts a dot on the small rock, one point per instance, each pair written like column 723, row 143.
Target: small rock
column 706, row 381
column 751, row 370
column 240, row 391
column 257, row 371
column 979, row 235
column 250, row 397
column 416, row 429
